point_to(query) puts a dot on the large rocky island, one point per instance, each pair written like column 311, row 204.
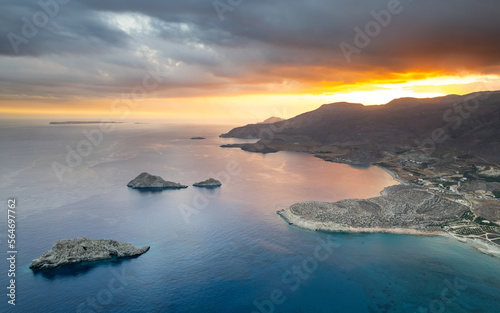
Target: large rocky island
column 81, row 249
column 147, row 181
column 444, row 151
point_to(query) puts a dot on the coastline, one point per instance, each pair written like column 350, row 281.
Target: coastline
column 400, row 209
column 429, row 197
column 481, row 245
column 393, row 174
column 333, row 227
column 484, row 247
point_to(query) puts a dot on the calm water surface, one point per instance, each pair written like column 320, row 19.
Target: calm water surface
column 221, row 250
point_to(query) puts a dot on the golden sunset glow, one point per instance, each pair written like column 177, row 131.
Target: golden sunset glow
column 254, row 107
column 143, row 64
column 250, row 156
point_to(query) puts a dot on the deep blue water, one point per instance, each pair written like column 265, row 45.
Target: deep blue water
column 233, row 253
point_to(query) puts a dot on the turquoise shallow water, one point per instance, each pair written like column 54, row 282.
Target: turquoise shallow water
column 233, row 253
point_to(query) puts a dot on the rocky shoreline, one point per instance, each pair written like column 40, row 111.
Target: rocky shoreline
column 454, row 186
column 400, row 210
column 342, row 217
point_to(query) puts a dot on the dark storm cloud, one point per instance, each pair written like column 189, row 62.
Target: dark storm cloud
column 269, row 40
column 72, row 29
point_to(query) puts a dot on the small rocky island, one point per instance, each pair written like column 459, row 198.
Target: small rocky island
column 81, row 249
column 148, row 181
column 198, row 138
column 209, row 183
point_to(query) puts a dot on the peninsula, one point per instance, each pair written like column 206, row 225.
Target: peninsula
column 81, row 249
column 444, row 151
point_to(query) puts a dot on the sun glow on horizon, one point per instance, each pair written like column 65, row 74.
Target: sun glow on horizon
column 256, row 107
column 381, row 92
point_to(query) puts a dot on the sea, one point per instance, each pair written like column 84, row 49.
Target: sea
column 212, row 250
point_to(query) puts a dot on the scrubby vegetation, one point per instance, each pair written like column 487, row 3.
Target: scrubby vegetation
column 496, row 193
column 491, row 229
column 467, row 231
column 468, row 215
column 490, row 179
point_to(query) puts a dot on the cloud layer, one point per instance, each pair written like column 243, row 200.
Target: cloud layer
column 97, row 48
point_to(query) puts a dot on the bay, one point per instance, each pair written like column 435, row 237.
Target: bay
column 222, row 250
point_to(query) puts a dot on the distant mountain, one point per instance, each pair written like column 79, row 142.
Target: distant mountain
column 448, row 148
column 272, row 120
column 449, row 125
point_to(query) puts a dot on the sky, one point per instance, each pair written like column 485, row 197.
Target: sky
column 238, row 60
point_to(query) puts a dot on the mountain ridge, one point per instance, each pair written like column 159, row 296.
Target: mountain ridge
column 448, row 145
column 402, row 122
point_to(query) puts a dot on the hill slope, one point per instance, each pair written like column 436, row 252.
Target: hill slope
column 467, row 124
column 448, row 145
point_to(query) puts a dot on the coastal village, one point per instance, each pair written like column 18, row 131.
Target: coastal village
column 465, row 180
